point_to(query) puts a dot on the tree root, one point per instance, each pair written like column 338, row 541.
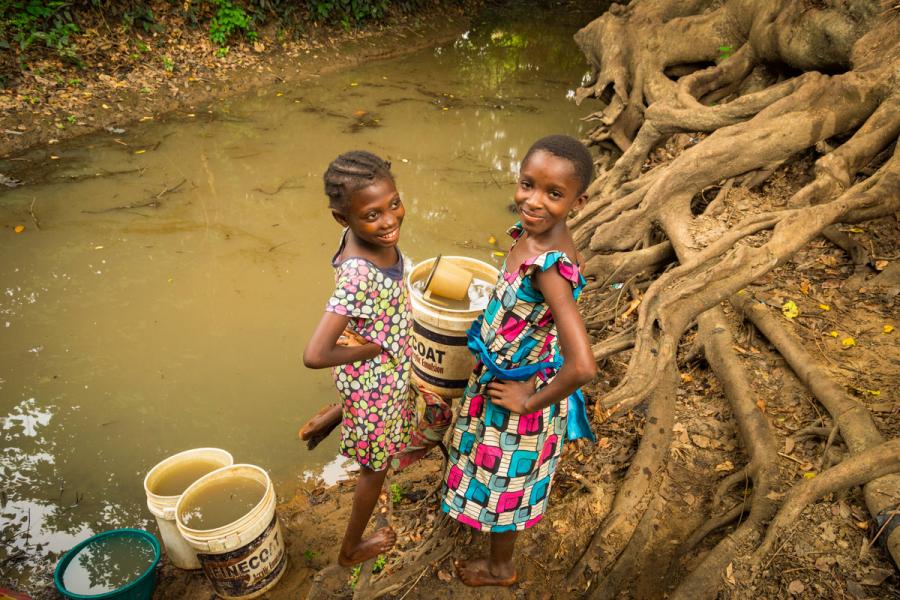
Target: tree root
column 871, row 464
column 853, row 420
column 636, row 492
column 705, row 579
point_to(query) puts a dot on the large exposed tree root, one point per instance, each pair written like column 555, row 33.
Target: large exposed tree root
column 850, row 417
column 762, row 468
column 671, row 72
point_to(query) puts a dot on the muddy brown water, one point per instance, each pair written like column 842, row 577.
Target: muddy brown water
column 180, row 265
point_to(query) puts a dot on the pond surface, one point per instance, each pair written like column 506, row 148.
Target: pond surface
column 179, row 266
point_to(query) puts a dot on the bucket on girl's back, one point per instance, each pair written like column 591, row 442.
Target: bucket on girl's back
column 228, row 517
column 441, row 361
column 164, row 485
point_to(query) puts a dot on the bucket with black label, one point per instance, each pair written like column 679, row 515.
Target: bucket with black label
column 228, row 517
column 441, row 361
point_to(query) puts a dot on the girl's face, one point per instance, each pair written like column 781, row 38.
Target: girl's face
column 548, row 190
column 375, row 214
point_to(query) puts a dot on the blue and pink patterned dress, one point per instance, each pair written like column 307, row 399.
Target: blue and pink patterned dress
column 501, row 463
column 377, row 409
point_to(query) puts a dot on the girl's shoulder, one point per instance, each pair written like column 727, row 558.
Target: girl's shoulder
column 566, row 265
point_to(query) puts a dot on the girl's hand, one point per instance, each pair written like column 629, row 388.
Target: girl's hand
column 350, row 338
column 512, row 395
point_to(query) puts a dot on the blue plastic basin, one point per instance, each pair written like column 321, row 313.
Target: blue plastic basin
column 141, row 588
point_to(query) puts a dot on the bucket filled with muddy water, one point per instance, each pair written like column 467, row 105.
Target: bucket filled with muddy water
column 228, row 517
column 441, row 361
column 164, row 485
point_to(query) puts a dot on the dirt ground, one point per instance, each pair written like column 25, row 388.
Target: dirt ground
column 828, row 554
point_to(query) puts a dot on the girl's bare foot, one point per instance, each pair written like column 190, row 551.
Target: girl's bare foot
column 378, row 543
column 479, row 572
column 320, row 425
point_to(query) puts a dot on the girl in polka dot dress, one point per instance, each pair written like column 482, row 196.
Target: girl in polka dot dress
column 363, row 337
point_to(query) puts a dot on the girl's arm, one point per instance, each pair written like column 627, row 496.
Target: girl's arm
column 323, row 349
column 579, row 367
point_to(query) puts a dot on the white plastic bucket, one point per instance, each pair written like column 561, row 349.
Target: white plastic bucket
column 246, row 557
column 163, row 507
column 441, row 361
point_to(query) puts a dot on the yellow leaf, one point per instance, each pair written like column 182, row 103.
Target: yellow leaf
column 825, row 307
column 687, row 377
column 809, row 475
column 54, row 157
column 848, row 341
column 19, row 228
column 833, row 334
column 789, row 309
column 354, row 84
column 145, row 119
column 492, row 240
column 139, row 151
column 887, row 328
column 875, row 393
column 279, row 94
column 445, row 108
column 855, row 230
column 499, row 254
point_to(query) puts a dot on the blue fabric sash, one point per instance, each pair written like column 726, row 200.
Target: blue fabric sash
column 577, row 427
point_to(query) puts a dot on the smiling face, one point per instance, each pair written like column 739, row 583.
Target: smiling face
column 548, row 190
column 374, row 214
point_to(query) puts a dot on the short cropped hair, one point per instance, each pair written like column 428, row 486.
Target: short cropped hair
column 570, row 149
column 352, row 171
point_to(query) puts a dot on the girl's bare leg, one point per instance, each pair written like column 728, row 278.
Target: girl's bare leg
column 354, row 549
column 497, row 569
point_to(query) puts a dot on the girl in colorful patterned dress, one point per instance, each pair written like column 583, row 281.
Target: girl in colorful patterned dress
column 363, row 336
column 522, row 399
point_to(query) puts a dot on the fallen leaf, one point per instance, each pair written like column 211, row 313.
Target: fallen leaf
column 848, row 342
column 881, row 265
column 354, row 84
column 19, row 228
column 804, row 287
column 687, row 377
column 833, row 334
column 139, row 151
column 789, row 445
column 825, row 307
column 725, row 467
column 862, row 524
column 492, row 241
column 809, row 475
column 796, row 587
column 876, row 577
column 823, row 563
column 761, row 405
column 789, row 309
column 729, row 574
column 444, row 576
column 887, row 328
column 701, row 441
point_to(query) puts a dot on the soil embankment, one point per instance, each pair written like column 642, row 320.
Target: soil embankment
column 129, row 76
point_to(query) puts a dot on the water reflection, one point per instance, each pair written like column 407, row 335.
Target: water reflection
column 180, row 264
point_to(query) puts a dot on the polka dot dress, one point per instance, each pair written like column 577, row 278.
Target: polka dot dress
column 375, row 392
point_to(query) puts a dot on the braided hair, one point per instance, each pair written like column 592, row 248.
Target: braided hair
column 352, row 171
column 570, row 149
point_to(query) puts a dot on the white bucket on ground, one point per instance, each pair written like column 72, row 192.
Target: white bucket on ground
column 163, row 507
column 246, row 557
column 441, row 361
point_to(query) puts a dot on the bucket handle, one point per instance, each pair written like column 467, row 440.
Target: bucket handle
column 232, row 541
